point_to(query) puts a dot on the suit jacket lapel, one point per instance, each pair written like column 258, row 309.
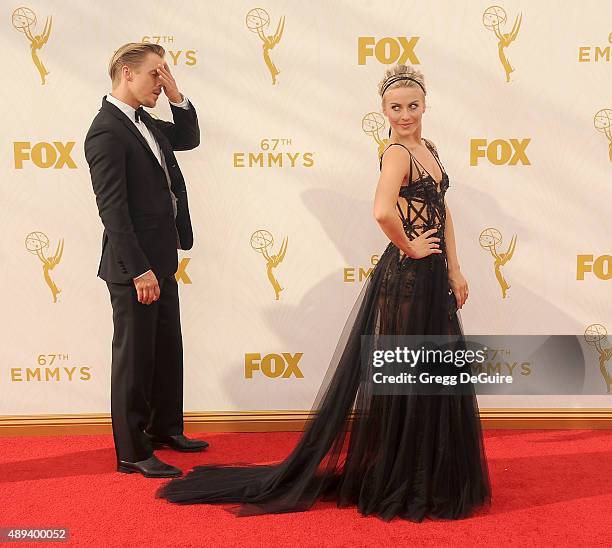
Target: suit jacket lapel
column 130, row 126
column 159, row 136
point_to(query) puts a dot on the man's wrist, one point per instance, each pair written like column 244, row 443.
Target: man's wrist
column 141, row 275
column 176, row 100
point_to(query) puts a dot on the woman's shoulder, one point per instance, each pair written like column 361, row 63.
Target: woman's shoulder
column 395, row 154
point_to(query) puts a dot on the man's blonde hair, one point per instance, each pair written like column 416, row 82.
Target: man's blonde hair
column 132, row 55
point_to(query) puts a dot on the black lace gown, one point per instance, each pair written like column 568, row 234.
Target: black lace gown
column 407, row 456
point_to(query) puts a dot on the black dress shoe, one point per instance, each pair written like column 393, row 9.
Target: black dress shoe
column 149, row 468
column 178, row 443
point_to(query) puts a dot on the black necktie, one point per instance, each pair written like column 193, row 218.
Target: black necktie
column 138, row 114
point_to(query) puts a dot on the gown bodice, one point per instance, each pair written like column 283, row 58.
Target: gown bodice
column 420, row 202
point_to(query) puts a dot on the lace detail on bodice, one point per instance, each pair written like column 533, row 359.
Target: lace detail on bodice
column 420, row 204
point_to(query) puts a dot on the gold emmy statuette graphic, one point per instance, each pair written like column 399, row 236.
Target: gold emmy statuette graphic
column 603, row 122
column 261, row 241
column 256, row 20
column 492, row 18
column 595, row 334
column 24, row 19
column 489, row 239
column 371, row 124
column 36, row 243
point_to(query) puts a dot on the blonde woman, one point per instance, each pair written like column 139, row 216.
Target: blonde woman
column 395, row 454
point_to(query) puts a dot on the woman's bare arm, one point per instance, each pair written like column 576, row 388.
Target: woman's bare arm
column 456, row 280
column 449, row 237
column 395, row 165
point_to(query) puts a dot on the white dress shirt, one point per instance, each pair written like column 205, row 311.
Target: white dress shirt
column 130, row 112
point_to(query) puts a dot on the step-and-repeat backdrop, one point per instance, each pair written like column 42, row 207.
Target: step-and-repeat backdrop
column 281, row 187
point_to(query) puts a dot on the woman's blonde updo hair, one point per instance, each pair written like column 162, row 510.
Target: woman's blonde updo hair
column 402, row 70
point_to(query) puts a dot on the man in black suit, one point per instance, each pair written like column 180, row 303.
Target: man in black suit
column 142, row 201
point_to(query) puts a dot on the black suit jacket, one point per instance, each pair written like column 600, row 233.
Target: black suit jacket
column 134, row 202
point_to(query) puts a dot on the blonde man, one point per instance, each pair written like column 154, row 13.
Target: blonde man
column 142, row 202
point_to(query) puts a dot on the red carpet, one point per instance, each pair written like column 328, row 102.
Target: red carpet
column 550, row 487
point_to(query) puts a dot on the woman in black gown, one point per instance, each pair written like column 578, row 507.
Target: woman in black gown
column 406, row 455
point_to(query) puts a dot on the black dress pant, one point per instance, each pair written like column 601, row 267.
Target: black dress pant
column 147, row 368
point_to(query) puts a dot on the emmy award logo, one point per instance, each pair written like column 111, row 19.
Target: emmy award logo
column 594, row 335
column 36, row 243
column 492, row 18
column 603, row 122
column 489, row 239
column 371, row 124
column 24, row 19
column 261, row 241
column 256, row 20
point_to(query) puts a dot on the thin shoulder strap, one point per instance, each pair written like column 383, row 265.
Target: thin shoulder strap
column 411, row 159
column 436, row 156
column 389, row 146
column 431, row 147
column 399, row 144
